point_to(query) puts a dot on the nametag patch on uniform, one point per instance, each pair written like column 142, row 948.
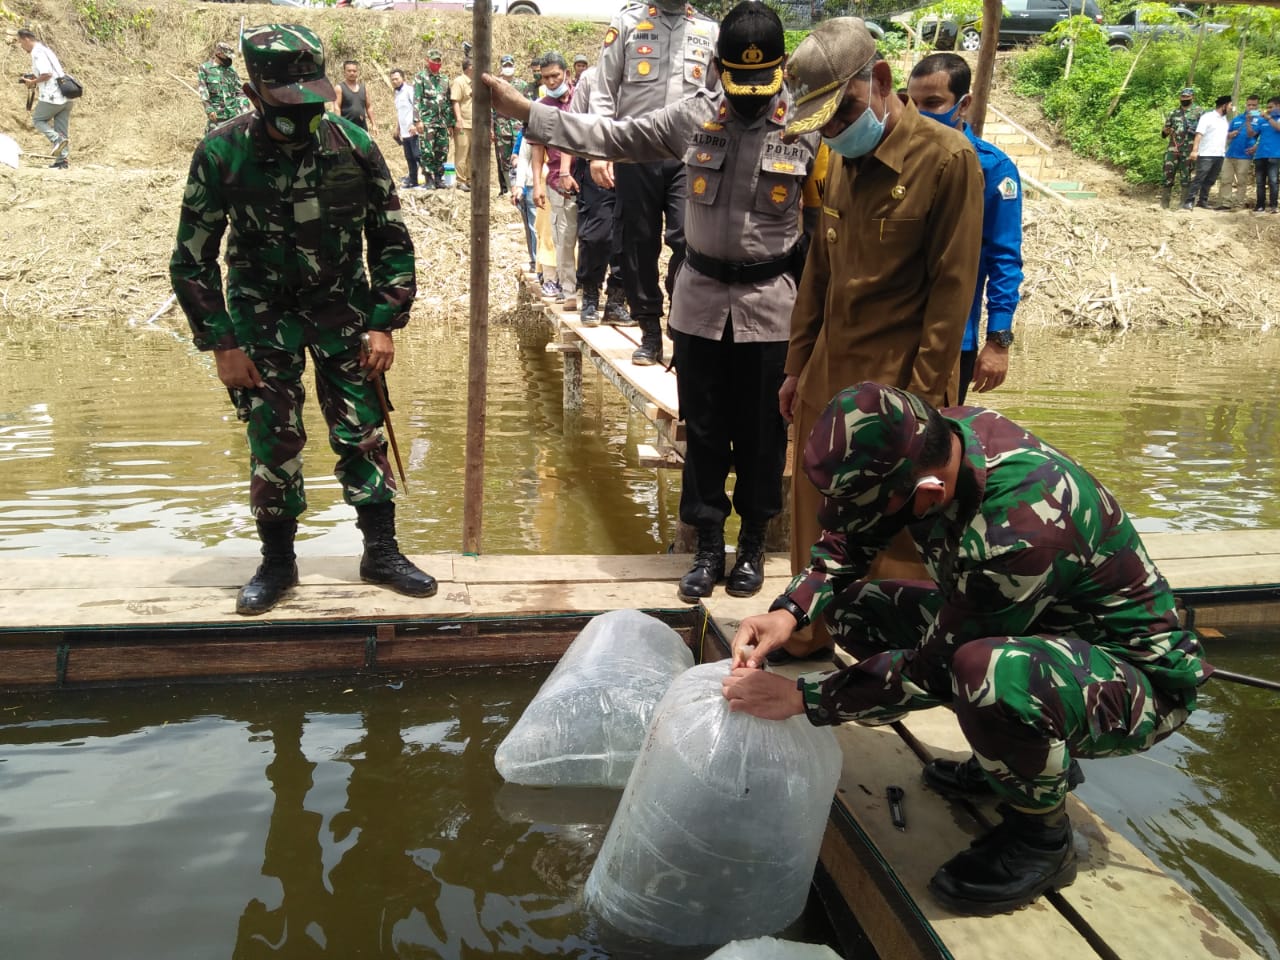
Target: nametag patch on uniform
column 781, row 166
column 610, row 35
column 643, row 68
column 699, row 186
column 779, row 194
column 1008, row 188
column 644, row 50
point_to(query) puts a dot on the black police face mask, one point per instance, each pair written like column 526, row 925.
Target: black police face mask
column 296, row 122
column 748, row 107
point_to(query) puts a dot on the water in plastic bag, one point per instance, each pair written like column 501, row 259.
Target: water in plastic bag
column 767, row 948
column 717, row 833
column 585, row 725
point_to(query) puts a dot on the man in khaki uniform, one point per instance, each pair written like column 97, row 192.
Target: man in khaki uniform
column 460, row 95
column 894, row 262
column 653, row 55
column 731, row 306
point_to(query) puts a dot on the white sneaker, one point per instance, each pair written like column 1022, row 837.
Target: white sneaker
column 63, row 148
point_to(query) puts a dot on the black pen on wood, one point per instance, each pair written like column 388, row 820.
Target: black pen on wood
column 895, row 795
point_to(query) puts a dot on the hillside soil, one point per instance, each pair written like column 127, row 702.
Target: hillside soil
column 91, row 244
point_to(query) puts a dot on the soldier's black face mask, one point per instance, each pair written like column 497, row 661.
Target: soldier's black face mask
column 295, row 122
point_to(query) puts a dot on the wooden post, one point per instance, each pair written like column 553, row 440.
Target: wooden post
column 478, row 351
column 572, row 381
column 992, row 11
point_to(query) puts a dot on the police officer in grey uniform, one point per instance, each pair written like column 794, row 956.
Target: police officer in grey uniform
column 731, row 304
column 653, row 55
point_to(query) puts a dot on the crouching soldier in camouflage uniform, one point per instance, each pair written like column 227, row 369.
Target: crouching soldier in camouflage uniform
column 1047, row 628
column 220, row 87
column 431, row 88
column 302, row 190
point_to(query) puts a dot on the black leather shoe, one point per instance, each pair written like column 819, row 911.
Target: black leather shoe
column 1021, row 858
column 964, row 779
column 707, row 569
column 590, row 313
column 278, row 572
column 647, row 354
column 747, row 575
column 382, row 562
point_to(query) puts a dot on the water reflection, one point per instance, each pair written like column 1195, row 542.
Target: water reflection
column 122, row 443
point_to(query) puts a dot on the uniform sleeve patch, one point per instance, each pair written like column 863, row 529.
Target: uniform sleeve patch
column 1008, row 188
column 610, row 35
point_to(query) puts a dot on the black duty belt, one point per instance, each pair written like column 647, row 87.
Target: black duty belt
column 731, row 271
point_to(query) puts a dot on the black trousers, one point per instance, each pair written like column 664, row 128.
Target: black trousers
column 599, row 237
column 729, row 403
column 646, row 194
column 968, row 360
column 1207, row 171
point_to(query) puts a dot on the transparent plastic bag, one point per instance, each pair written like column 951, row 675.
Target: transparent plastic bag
column 767, row 948
column 585, row 725
column 717, row 833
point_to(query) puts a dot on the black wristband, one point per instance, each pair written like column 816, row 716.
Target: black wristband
column 786, row 603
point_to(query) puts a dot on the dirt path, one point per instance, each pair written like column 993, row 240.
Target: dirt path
column 91, row 244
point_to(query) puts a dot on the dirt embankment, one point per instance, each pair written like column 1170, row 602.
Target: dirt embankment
column 91, row 244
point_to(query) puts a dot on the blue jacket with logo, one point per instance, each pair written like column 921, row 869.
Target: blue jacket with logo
column 1000, row 267
column 1268, row 138
column 1241, row 142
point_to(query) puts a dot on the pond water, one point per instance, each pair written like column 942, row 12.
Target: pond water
column 297, row 819
column 121, row 442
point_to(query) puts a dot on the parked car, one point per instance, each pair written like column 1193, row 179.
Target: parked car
column 570, row 9
column 1023, row 22
column 1131, row 27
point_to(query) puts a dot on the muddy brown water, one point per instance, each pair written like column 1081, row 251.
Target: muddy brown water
column 177, row 821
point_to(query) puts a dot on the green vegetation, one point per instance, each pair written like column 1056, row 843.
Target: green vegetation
column 1111, row 104
column 106, row 21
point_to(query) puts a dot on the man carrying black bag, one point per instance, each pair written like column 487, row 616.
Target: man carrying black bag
column 52, row 113
column 731, row 304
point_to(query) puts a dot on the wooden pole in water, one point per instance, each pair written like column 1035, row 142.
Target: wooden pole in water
column 478, row 353
column 992, row 11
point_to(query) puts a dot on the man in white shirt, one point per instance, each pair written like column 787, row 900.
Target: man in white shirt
column 52, row 113
column 1207, row 151
column 407, row 126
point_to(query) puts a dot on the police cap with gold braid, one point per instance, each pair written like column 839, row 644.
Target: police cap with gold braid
column 751, row 49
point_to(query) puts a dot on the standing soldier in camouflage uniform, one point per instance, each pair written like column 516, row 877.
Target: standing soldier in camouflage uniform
column 505, row 130
column 302, row 191
column 731, row 306
column 1180, row 131
column 654, row 54
column 220, row 87
column 431, row 87
column 1047, row 627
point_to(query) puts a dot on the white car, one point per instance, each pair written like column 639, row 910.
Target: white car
column 570, row 9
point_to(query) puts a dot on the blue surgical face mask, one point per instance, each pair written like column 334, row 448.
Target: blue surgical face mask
column 559, row 91
column 860, row 137
column 947, row 119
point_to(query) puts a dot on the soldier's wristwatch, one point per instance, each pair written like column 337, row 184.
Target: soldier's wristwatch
column 1001, row 338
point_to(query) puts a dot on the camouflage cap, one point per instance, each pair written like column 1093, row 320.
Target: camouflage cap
column 1188, row 92
column 823, row 64
column 435, row 55
column 224, row 49
column 865, row 443
column 287, row 61
column 508, row 60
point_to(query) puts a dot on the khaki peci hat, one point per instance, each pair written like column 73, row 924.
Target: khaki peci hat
column 821, row 68
column 751, row 49
column 286, row 60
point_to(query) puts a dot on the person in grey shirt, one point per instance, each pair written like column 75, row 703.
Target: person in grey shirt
column 653, row 55
column 731, row 304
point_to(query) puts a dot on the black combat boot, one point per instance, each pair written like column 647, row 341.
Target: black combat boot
column 382, row 561
column 615, row 309
column 964, row 780
column 278, row 572
column 708, row 565
column 1022, row 857
column 590, row 313
column 650, row 350
column 1165, row 195
column 747, row 574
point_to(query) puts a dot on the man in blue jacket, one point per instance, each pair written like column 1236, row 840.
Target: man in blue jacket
column 1266, row 155
column 1237, row 169
column 939, row 87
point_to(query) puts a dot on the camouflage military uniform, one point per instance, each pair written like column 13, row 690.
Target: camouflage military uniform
column 222, row 93
column 431, row 91
column 296, row 281
column 1177, row 156
column 1047, row 626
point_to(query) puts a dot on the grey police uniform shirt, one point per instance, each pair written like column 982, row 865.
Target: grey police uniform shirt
column 744, row 186
column 581, row 102
column 651, row 59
